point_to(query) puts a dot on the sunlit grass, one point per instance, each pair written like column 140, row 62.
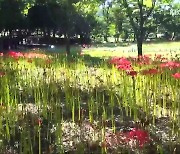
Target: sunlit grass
column 131, row 50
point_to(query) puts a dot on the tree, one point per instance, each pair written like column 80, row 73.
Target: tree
column 138, row 12
column 10, row 14
column 11, row 20
column 119, row 17
column 106, row 9
column 41, row 17
column 168, row 21
column 75, row 21
column 88, row 10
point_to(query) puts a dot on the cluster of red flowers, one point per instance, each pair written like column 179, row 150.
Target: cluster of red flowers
column 151, row 71
column 170, row 65
column 122, row 63
column 125, row 64
column 28, row 55
column 135, row 138
column 144, row 60
column 35, row 55
column 160, row 58
column 141, row 137
column 176, row 75
column 14, row 54
column 132, row 73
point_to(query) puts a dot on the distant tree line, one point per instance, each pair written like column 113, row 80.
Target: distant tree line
column 83, row 21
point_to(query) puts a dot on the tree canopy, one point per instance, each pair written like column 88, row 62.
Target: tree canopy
column 96, row 20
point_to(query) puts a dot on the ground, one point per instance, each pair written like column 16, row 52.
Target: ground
column 130, row 49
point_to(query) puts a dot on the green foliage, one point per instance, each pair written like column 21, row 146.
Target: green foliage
column 11, row 13
column 97, row 19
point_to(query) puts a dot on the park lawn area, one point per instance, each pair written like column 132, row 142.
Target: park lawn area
column 111, row 50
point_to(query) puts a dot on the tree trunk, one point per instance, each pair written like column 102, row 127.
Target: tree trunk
column 54, row 32
column 67, row 44
column 173, row 36
column 105, row 38
column 48, row 32
column 139, row 46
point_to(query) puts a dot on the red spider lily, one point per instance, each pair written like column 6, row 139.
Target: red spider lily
column 113, row 60
column 125, row 67
column 2, row 74
column 14, row 54
column 134, row 138
column 144, row 60
column 35, row 55
column 170, row 65
column 151, row 71
column 132, row 73
column 120, row 61
column 176, row 75
column 138, row 135
column 124, row 61
column 160, row 58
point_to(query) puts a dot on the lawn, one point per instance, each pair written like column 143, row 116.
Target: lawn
column 131, row 49
column 51, row 103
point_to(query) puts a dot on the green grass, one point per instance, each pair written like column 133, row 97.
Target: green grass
column 130, row 50
column 121, row 49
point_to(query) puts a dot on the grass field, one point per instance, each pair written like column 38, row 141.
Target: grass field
column 131, row 49
column 121, row 49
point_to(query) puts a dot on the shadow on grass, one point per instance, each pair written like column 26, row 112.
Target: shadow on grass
column 88, row 60
column 93, row 61
column 121, row 44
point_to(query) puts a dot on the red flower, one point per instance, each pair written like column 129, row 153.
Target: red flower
column 170, row 65
column 176, row 75
column 120, row 61
column 125, row 67
column 151, row 71
column 132, row 73
column 35, row 55
column 138, row 135
column 1, row 54
column 14, row 54
column 144, row 60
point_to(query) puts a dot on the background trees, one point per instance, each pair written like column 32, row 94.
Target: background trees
column 85, row 20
